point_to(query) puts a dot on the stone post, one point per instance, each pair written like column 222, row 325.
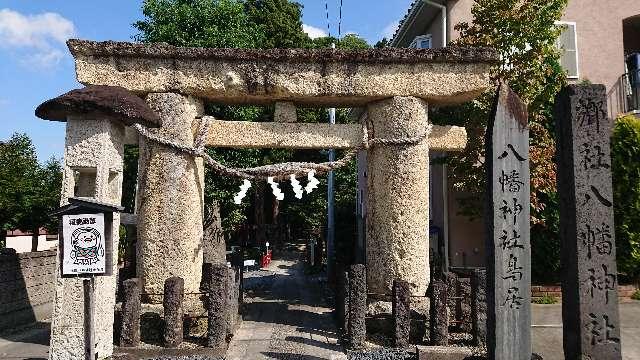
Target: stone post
column 401, row 310
column 479, row 307
column 357, row 306
column 216, row 305
column 398, row 196
column 173, row 311
column 591, row 325
column 170, row 199
column 507, row 230
column 438, row 314
column 131, row 304
column 343, row 301
column 93, row 168
column 463, row 305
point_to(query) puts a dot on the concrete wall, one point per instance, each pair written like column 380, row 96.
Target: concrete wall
column 22, row 244
column 26, row 287
column 466, row 236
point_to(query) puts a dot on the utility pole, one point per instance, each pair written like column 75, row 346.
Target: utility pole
column 330, row 202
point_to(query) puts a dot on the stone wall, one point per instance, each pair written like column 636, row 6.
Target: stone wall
column 26, row 287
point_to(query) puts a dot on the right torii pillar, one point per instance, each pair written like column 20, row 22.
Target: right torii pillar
column 398, row 196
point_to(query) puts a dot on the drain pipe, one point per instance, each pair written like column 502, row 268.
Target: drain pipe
column 443, row 9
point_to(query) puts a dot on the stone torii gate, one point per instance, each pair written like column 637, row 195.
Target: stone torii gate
column 395, row 86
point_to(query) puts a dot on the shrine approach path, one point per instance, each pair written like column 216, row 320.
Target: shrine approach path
column 285, row 316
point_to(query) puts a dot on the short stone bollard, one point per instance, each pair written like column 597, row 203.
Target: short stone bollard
column 451, row 279
column 343, row 301
column 463, row 305
column 401, row 309
column 439, row 324
column 131, row 304
column 357, row 306
column 479, row 307
column 173, row 311
column 217, row 305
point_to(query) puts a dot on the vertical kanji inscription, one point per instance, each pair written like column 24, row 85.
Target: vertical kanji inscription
column 507, row 219
column 589, row 286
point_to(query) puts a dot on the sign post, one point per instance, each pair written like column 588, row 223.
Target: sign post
column 86, row 252
column 507, row 229
column 591, row 323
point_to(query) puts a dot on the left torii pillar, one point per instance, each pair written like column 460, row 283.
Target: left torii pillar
column 96, row 118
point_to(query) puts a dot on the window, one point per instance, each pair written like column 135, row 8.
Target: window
column 568, row 44
column 421, row 42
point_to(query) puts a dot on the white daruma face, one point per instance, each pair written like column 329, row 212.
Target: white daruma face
column 86, row 240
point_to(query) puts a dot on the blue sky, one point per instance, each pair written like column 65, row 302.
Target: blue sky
column 35, row 64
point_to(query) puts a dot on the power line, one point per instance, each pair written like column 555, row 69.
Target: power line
column 326, row 8
column 340, row 22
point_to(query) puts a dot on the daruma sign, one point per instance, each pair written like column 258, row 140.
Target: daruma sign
column 87, row 237
column 84, row 244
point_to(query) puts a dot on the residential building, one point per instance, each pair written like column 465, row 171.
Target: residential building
column 598, row 37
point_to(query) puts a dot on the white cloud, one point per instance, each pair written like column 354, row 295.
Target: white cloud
column 390, row 29
column 43, row 59
column 313, row 32
column 39, row 37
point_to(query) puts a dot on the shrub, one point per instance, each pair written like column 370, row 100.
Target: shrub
column 636, row 295
column 545, row 299
column 625, row 157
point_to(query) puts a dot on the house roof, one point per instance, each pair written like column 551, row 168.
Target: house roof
column 418, row 9
column 78, row 205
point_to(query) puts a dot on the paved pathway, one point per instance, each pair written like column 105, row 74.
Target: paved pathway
column 28, row 343
column 547, row 330
column 285, row 318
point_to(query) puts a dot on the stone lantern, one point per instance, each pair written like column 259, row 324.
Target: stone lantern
column 96, row 118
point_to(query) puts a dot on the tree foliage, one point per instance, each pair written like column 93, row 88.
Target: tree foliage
column 29, row 191
column 625, row 157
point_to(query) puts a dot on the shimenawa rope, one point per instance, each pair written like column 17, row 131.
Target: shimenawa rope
column 279, row 171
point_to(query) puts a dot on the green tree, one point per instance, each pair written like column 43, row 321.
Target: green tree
column 278, row 22
column 29, row 192
column 198, row 23
column 625, row 157
column 524, row 34
column 18, row 167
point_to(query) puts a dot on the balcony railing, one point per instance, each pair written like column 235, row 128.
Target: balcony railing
column 631, row 91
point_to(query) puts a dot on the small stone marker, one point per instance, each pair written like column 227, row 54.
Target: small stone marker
column 463, row 305
column 439, row 317
column 591, row 326
column 343, row 301
column 173, row 311
column 401, row 309
column 130, row 328
column 216, row 305
column 507, row 225
column 357, row 306
column 479, row 307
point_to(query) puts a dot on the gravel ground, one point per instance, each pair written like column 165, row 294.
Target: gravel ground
column 381, row 354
